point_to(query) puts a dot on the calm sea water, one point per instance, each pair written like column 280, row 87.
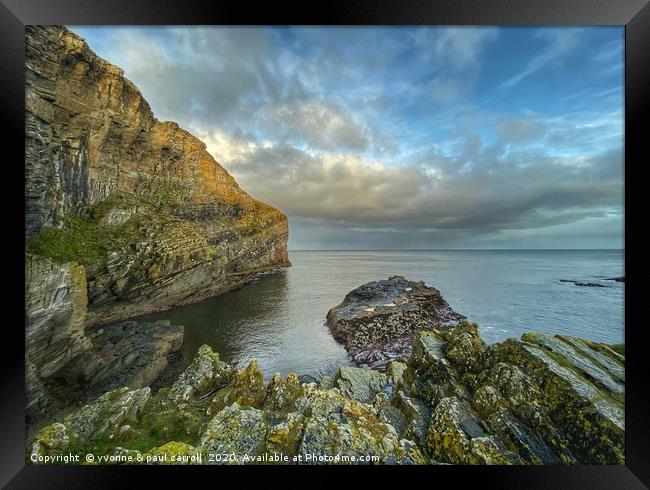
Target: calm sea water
column 279, row 318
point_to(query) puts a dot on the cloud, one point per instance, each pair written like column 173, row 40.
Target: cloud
column 321, row 125
column 387, row 137
column 559, row 42
column 435, row 193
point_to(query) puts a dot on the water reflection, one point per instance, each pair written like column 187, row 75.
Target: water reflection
column 279, row 318
column 263, row 321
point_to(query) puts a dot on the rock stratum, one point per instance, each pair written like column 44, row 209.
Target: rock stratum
column 538, row 400
column 139, row 203
column 125, row 215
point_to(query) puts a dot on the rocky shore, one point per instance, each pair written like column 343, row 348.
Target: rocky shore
column 537, row 400
column 125, row 215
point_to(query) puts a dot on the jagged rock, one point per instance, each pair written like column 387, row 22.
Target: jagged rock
column 452, row 428
column 285, row 437
column 361, row 384
column 326, row 382
column 281, row 394
column 464, row 346
column 389, row 413
column 540, row 400
column 246, row 389
column 205, row 374
column 336, row 425
column 67, row 364
column 417, row 414
column 235, row 430
column 173, row 453
column 430, row 375
column 105, row 415
column 589, row 415
column 141, row 203
column 378, row 320
column 51, row 438
column 531, row 448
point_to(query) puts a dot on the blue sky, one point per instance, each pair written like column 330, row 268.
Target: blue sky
column 449, row 137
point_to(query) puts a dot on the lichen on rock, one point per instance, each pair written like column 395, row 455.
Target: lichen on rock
column 539, row 400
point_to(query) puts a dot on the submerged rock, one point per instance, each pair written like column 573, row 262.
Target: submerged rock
column 377, row 321
column 585, row 284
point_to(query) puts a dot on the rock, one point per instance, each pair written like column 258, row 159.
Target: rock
column 587, row 414
column 306, row 379
column 585, row 284
column 538, row 400
column 617, row 279
column 104, row 416
column 141, row 203
column 285, row 437
column 237, row 431
column 463, row 346
column 246, row 389
column 378, row 320
column 67, row 364
column 173, row 453
column 417, row 414
column 326, row 382
column 133, row 354
column 51, row 438
column 531, row 448
column 281, row 394
column 59, row 358
column 335, row 425
column 206, row 374
column 452, row 428
column 361, row 384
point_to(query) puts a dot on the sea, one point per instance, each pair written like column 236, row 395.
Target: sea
column 279, row 318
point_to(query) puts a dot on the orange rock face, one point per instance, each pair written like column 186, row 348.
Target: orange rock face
column 180, row 227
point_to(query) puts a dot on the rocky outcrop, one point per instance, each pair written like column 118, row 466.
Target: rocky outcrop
column 66, row 363
column 538, row 400
column 377, row 321
column 139, row 204
column 133, row 354
column 57, row 353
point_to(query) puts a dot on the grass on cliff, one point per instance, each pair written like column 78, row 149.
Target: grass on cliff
column 84, row 240
column 78, row 240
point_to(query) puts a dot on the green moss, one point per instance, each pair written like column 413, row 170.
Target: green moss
column 618, row 348
column 78, row 240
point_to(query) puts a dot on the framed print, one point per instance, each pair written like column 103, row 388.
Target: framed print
column 396, row 236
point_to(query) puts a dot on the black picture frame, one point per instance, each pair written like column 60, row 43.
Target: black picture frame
column 633, row 14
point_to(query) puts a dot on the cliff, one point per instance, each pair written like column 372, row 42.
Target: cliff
column 138, row 204
column 538, row 400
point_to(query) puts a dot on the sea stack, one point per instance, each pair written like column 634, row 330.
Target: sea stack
column 377, row 321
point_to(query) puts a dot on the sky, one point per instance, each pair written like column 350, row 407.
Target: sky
column 401, row 137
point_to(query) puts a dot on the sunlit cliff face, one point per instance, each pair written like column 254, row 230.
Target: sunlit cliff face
column 402, row 137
